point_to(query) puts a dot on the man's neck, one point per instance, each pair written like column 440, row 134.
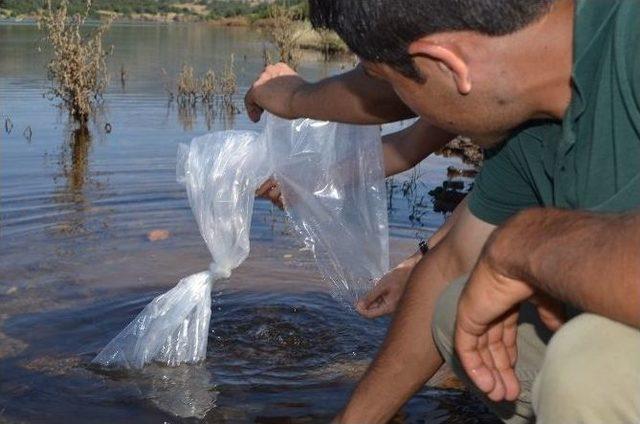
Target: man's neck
column 545, row 65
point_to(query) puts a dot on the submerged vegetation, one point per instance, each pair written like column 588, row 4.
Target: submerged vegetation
column 78, row 69
column 210, row 89
column 213, row 92
column 228, row 86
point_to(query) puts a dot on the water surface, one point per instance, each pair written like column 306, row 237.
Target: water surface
column 76, row 265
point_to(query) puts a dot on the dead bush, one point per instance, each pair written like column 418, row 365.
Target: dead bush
column 78, row 69
column 285, row 33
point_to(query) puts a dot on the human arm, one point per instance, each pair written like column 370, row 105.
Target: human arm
column 351, row 97
column 584, row 259
column 405, row 149
column 408, row 356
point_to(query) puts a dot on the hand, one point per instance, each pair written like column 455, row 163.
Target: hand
column 487, row 325
column 271, row 190
column 384, row 297
column 274, row 91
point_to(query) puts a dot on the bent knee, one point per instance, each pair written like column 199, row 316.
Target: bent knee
column 590, row 372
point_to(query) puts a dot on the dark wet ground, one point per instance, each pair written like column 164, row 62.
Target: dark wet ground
column 76, row 264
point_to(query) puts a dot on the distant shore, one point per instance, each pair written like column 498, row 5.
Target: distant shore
column 308, row 39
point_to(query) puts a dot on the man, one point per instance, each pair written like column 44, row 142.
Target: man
column 554, row 87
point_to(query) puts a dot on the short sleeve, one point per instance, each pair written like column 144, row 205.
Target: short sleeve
column 501, row 188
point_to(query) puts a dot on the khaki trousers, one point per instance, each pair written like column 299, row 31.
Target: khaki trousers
column 586, row 373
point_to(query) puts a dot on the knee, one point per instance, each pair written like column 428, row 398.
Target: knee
column 444, row 317
column 581, row 373
column 565, row 371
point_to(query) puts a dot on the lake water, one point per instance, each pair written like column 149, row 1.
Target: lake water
column 76, row 265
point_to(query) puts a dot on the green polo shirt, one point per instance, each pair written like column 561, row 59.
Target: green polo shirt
column 590, row 160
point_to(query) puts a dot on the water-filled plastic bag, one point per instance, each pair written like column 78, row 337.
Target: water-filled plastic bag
column 332, row 181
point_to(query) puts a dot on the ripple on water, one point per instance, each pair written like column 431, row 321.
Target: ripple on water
column 273, row 339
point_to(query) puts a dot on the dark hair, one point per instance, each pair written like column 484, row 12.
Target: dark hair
column 382, row 30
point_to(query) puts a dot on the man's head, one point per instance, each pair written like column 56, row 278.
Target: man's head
column 441, row 56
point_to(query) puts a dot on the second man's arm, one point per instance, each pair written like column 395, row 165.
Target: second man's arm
column 352, row 97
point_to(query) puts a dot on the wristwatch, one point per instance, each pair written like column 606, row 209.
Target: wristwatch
column 423, row 246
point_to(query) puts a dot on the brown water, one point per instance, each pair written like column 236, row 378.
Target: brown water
column 76, row 265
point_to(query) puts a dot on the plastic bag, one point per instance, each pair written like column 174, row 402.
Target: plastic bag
column 221, row 172
column 332, row 181
column 333, row 186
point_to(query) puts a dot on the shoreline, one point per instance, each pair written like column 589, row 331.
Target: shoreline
column 308, row 39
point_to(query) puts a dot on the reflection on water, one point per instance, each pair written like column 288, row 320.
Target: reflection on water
column 76, row 265
column 75, row 159
column 213, row 115
column 272, row 357
column 185, row 391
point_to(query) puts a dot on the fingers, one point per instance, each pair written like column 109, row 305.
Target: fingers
column 502, row 349
column 377, row 309
column 488, row 357
column 253, row 110
column 275, row 195
column 384, row 297
column 271, row 190
column 265, row 187
column 469, row 348
column 374, row 304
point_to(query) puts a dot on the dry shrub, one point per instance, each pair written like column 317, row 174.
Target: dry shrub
column 228, row 86
column 213, row 91
column 78, row 69
column 188, row 86
column 192, row 89
column 285, row 33
column 208, row 87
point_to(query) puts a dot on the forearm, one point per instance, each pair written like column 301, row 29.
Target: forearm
column 404, row 149
column 591, row 261
column 352, row 97
column 408, row 357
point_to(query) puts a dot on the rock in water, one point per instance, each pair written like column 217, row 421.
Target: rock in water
column 158, row 235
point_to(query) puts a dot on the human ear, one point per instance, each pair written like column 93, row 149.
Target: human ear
column 447, row 59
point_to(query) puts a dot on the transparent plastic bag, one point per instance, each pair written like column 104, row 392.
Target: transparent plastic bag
column 332, row 181
column 333, row 186
column 221, row 172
